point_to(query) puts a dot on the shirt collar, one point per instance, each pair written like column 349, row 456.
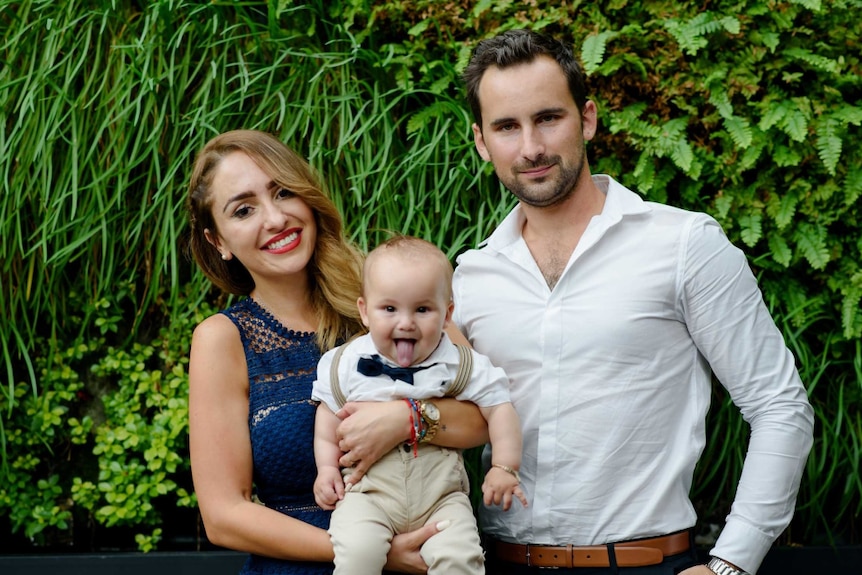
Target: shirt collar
column 619, row 202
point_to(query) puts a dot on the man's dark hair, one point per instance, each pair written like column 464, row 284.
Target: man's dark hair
column 521, row 47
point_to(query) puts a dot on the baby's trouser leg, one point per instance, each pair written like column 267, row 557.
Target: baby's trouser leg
column 456, row 549
column 361, row 536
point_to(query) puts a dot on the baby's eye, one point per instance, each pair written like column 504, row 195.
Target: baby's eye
column 389, row 308
column 423, row 309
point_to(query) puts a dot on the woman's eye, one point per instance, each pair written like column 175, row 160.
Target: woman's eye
column 284, row 193
column 242, row 212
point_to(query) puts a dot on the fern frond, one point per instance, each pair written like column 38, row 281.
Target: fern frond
column 853, row 186
column 739, row 130
column 779, row 250
column 786, row 210
column 811, row 241
column 829, row 144
column 822, row 63
column 752, row 229
column 644, row 172
column 851, row 317
column 418, row 120
column 810, row 4
column 593, row 49
column 617, row 61
column 794, row 124
column 723, row 204
column 753, row 153
column 730, row 23
column 847, row 114
column 719, row 98
column 774, row 114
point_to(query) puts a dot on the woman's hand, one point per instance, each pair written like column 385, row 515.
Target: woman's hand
column 368, row 430
column 404, row 554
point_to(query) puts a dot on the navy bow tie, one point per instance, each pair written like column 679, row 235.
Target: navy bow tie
column 374, row 366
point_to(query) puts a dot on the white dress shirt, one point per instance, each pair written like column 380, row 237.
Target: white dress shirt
column 488, row 384
column 610, row 375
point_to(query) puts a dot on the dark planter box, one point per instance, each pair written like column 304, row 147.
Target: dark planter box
column 780, row 561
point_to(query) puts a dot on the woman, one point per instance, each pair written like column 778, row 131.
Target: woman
column 261, row 227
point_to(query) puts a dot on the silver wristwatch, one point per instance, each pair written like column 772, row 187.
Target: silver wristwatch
column 722, row 567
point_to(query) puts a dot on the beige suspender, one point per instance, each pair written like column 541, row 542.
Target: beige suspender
column 462, row 378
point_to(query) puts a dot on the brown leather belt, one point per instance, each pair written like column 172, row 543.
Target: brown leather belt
column 637, row 553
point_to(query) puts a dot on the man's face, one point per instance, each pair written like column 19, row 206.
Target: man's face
column 532, row 130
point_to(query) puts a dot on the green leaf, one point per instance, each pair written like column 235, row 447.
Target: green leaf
column 811, row 241
column 795, row 125
column 810, row 4
column 829, row 144
column 751, row 228
column 779, row 250
column 593, row 49
column 739, row 130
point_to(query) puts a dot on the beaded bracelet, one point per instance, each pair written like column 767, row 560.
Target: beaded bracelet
column 414, row 426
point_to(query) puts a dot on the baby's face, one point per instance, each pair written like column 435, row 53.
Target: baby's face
column 405, row 307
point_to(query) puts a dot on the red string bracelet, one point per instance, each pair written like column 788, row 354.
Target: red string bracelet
column 413, row 440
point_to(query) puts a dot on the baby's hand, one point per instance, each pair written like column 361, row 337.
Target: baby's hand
column 328, row 487
column 499, row 486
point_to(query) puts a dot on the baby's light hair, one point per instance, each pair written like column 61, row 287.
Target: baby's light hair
column 411, row 247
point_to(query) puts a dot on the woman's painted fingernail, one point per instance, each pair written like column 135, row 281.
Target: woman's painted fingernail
column 443, row 524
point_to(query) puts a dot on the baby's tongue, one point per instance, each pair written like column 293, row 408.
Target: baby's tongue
column 404, row 347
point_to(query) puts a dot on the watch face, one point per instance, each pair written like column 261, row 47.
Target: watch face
column 431, row 412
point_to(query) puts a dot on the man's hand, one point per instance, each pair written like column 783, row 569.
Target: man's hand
column 697, row 570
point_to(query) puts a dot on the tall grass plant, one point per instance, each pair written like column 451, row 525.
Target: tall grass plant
column 734, row 109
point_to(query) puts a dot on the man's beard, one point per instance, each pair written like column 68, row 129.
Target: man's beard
column 536, row 194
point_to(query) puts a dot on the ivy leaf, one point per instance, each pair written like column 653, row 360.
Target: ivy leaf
column 779, row 249
column 751, row 228
column 811, row 241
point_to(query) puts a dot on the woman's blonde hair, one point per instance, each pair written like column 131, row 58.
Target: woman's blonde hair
column 334, row 269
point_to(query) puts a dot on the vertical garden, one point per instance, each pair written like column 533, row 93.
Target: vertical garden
column 749, row 110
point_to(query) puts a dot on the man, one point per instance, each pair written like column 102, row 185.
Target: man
column 609, row 314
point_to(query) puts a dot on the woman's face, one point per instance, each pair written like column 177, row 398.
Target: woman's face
column 268, row 229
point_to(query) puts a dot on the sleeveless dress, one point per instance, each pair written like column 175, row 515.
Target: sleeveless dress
column 282, row 365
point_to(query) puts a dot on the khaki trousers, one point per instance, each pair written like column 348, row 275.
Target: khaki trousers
column 401, row 493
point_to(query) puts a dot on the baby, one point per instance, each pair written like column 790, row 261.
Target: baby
column 406, row 304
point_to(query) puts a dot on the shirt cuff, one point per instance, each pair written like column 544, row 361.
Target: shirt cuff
column 743, row 545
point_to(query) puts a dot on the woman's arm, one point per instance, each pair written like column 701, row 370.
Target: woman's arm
column 220, row 449
column 222, row 465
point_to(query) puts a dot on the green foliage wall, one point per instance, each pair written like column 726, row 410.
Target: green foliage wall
column 748, row 109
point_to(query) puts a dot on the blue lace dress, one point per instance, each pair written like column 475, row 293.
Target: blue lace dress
column 281, row 368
